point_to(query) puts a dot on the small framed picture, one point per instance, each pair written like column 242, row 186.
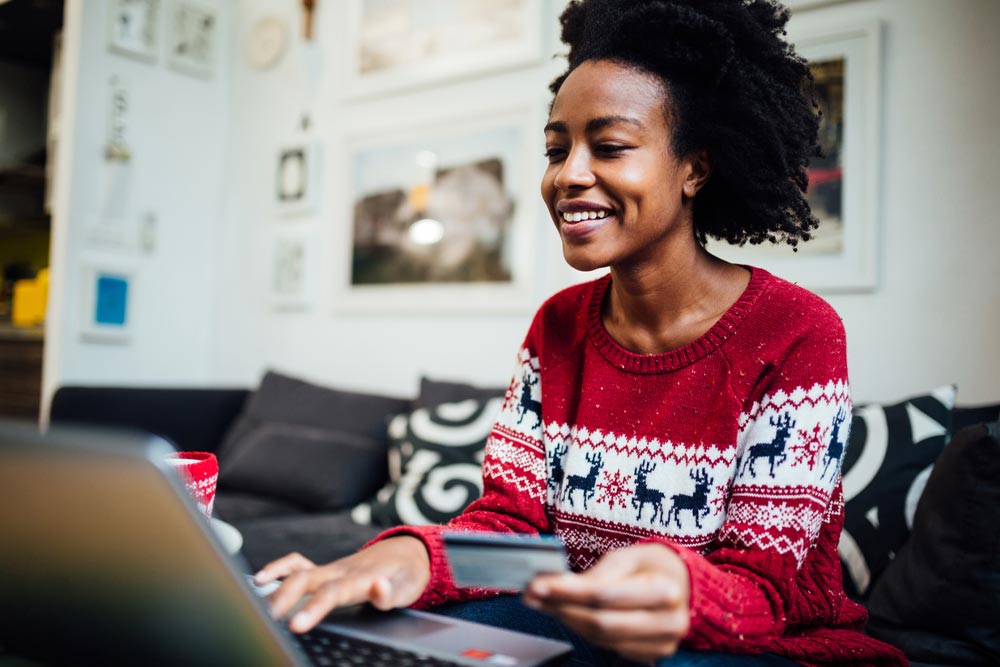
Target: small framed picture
column 107, row 296
column 193, row 35
column 133, row 28
column 293, row 267
column 297, row 178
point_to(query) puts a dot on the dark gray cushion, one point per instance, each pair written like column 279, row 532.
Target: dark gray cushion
column 939, row 600
column 319, row 448
column 233, row 506
column 970, row 415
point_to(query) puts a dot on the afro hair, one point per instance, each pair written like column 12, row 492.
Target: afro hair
column 735, row 89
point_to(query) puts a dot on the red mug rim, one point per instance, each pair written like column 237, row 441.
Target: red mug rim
column 194, row 456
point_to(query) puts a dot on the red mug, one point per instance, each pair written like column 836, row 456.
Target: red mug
column 200, row 471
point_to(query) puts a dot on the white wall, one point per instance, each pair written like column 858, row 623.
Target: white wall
column 204, row 162
column 933, row 319
column 377, row 352
column 177, row 132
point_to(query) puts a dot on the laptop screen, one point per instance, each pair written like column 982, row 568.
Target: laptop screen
column 100, row 563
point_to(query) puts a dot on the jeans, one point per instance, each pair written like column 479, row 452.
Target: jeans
column 508, row 612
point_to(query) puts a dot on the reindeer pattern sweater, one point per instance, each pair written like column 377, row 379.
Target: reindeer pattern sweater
column 726, row 450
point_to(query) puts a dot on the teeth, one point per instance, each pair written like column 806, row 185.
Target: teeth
column 585, row 215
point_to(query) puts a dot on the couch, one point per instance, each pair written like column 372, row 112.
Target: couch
column 334, row 446
column 321, row 471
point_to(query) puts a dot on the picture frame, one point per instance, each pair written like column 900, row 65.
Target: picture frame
column 391, row 45
column 108, row 294
column 439, row 217
column 293, row 269
column 298, row 177
column 134, row 28
column 193, row 36
column 844, row 185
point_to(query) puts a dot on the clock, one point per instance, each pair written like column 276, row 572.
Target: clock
column 267, row 42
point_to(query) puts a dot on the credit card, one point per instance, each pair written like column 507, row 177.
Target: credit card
column 503, row 561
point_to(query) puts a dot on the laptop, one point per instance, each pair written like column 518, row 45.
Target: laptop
column 105, row 559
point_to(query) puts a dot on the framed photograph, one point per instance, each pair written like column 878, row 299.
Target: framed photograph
column 394, row 44
column 297, row 179
column 193, row 37
column 107, row 297
column 293, row 269
column 133, row 28
column 843, row 190
column 438, row 219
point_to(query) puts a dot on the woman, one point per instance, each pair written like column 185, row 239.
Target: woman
column 679, row 422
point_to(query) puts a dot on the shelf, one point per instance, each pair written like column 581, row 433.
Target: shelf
column 38, row 222
column 9, row 332
column 23, row 176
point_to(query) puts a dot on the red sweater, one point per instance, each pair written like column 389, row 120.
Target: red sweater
column 726, row 450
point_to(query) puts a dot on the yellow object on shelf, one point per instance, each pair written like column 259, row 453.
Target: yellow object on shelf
column 30, row 300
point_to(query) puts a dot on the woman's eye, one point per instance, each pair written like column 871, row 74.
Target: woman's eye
column 610, row 149
column 554, row 153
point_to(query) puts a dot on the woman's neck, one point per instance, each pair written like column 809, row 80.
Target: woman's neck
column 655, row 307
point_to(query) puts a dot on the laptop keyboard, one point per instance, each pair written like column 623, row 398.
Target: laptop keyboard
column 326, row 648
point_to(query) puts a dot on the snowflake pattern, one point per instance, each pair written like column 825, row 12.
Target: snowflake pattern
column 508, row 398
column 719, row 500
column 614, row 488
column 812, row 444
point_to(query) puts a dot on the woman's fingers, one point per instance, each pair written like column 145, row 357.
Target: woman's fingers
column 391, row 573
column 635, row 592
column 284, row 566
column 642, row 636
column 329, row 595
column 292, row 589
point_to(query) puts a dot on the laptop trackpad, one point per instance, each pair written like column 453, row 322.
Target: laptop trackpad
column 392, row 626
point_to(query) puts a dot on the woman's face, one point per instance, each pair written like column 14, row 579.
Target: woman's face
column 613, row 186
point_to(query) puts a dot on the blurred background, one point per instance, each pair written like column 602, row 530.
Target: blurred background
column 194, row 191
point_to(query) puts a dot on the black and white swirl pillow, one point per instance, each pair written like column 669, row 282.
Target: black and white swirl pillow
column 890, row 455
column 435, row 464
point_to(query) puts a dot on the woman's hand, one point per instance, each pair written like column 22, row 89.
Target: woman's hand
column 634, row 601
column 389, row 574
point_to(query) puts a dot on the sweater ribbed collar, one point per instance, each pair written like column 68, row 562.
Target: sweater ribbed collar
column 662, row 362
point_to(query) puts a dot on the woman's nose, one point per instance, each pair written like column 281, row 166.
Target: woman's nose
column 575, row 171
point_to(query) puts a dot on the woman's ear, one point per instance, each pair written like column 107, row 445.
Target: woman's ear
column 697, row 170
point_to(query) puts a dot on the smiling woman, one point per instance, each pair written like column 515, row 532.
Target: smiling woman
column 704, row 389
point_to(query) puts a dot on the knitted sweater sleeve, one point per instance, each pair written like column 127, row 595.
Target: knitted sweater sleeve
column 783, row 495
column 514, row 483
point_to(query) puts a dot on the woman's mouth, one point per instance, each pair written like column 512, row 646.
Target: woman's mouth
column 577, row 224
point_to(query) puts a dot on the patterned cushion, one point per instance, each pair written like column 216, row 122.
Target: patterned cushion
column 891, row 452
column 435, row 463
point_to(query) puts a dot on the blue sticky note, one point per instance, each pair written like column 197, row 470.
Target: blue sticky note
column 112, row 300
